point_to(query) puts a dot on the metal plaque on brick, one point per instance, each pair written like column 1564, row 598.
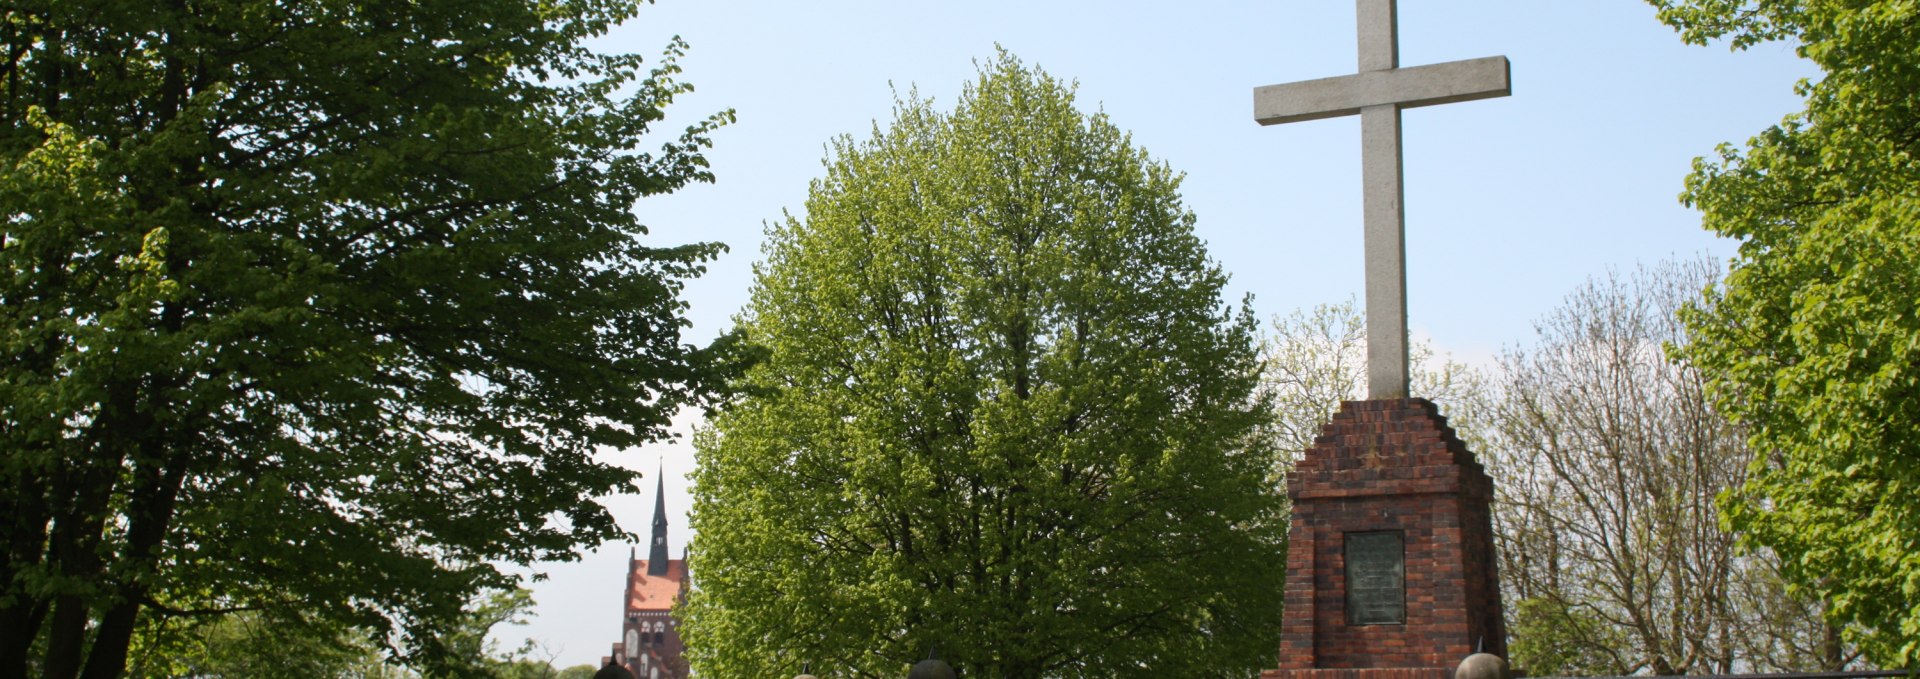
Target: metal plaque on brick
column 1376, row 578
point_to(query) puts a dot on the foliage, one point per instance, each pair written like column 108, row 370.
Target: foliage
column 287, row 644
column 1814, row 341
column 1609, row 459
column 474, row 654
column 261, row 644
column 1553, row 638
column 319, row 306
column 1002, row 412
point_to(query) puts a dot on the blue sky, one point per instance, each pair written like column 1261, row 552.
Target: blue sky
column 1510, row 202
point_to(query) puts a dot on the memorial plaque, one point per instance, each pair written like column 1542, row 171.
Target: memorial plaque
column 1376, row 578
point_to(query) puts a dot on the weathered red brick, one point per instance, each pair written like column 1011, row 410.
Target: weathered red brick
column 1390, row 465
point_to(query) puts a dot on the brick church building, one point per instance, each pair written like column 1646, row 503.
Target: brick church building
column 649, row 645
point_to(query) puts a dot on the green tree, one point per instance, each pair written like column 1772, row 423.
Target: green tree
column 260, row 644
column 319, row 305
column 1002, row 411
column 285, row 643
column 1552, row 638
column 1814, row 340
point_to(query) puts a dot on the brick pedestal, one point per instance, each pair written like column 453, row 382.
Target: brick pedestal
column 1395, row 466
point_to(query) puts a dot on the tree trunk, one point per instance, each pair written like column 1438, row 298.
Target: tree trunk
column 160, row 465
column 159, row 454
column 1832, row 651
column 74, row 552
column 65, row 638
column 26, row 538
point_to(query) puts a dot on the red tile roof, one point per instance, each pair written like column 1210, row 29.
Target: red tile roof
column 654, row 593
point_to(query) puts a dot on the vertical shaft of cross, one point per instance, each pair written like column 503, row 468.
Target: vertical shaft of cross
column 1384, row 221
column 1379, row 35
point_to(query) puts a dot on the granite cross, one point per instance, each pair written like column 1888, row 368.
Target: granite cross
column 1377, row 93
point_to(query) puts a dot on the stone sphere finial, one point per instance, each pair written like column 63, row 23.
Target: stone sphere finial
column 932, row 668
column 1483, row 666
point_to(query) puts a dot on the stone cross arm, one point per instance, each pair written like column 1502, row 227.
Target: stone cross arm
column 1346, row 95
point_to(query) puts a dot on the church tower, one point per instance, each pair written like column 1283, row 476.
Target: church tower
column 649, row 645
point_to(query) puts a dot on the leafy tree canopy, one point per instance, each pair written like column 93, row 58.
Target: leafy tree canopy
column 1814, row 340
column 284, row 643
column 1003, row 412
column 319, row 305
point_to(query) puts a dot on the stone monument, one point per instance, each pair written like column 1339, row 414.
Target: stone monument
column 1390, row 565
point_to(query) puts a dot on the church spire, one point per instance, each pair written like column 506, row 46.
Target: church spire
column 657, row 557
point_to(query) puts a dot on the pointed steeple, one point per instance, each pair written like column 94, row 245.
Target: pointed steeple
column 657, row 556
